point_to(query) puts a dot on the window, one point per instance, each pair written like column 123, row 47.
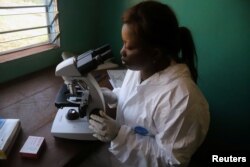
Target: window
column 27, row 23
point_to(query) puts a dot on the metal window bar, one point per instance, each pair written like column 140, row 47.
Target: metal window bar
column 27, row 6
column 29, row 46
column 23, row 48
column 50, row 24
column 51, row 19
column 28, row 37
column 18, row 7
column 27, row 13
column 24, row 29
column 30, row 28
column 50, row 7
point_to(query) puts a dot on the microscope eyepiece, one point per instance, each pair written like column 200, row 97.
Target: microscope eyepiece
column 101, row 49
column 90, row 60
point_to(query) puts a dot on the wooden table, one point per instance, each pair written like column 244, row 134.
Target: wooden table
column 58, row 152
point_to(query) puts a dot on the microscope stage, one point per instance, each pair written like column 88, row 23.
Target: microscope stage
column 71, row 129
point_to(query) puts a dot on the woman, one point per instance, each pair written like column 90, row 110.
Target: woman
column 162, row 117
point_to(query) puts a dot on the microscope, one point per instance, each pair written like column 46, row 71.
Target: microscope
column 80, row 96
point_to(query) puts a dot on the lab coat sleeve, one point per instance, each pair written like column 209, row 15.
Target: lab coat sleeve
column 116, row 92
column 170, row 147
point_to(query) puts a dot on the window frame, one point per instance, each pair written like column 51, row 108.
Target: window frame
column 51, row 14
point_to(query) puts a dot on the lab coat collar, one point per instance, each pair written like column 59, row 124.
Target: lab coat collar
column 167, row 75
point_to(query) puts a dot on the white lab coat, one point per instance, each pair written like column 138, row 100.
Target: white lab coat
column 171, row 107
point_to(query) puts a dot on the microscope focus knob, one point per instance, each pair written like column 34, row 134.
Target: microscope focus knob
column 72, row 114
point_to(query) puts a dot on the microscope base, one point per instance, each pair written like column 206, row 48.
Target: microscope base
column 71, row 129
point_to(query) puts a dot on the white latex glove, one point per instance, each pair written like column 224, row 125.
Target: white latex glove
column 109, row 96
column 105, row 128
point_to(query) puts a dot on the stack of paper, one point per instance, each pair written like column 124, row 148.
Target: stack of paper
column 9, row 129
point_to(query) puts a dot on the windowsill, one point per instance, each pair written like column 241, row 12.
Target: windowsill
column 26, row 52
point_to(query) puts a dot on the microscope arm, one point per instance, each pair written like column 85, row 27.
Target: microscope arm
column 76, row 71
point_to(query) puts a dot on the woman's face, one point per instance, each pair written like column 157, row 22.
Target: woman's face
column 133, row 54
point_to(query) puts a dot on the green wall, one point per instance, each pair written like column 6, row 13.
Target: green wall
column 13, row 69
column 222, row 33
column 221, row 30
column 79, row 20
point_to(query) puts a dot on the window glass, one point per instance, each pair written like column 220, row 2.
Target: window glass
column 27, row 23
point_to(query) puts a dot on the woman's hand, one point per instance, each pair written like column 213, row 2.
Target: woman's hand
column 105, row 128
